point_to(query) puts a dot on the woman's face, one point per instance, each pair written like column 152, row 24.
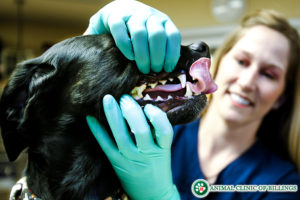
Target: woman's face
column 251, row 76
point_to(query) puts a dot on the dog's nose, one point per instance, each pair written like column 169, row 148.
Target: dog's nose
column 201, row 48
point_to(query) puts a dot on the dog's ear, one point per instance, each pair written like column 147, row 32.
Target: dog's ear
column 19, row 93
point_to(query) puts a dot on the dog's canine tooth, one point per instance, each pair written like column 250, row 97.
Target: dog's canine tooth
column 136, row 92
column 147, row 97
column 182, row 78
column 188, row 92
column 170, row 97
column 171, row 79
column 153, row 85
column 159, row 98
column 163, row 82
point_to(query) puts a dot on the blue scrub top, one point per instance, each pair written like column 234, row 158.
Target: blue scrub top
column 256, row 166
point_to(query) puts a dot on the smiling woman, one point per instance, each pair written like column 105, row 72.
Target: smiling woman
column 277, row 67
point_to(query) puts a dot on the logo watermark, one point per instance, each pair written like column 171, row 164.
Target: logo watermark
column 201, row 188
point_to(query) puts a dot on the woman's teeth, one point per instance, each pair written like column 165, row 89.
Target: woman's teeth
column 239, row 99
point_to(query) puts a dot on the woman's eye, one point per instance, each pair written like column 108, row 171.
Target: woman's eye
column 268, row 75
column 242, row 62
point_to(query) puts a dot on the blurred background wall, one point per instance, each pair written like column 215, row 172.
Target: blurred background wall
column 48, row 21
column 29, row 27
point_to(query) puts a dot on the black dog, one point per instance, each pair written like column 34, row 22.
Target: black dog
column 44, row 105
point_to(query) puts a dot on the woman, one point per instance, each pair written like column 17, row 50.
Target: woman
column 257, row 71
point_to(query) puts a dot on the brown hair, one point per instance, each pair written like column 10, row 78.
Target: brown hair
column 277, row 124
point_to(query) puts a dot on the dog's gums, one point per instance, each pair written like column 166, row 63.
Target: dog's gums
column 169, row 91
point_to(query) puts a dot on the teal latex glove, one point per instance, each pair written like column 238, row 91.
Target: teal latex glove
column 142, row 33
column 144, row 169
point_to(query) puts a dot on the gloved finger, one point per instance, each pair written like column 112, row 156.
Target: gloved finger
column 118, row 29
column 88, row 31
column 96, row 25
column 173, row 46
column 139, row 38
column 99, row 132
column 157, row 42
column 137, row 122
column 118, row 127
column 162, row 126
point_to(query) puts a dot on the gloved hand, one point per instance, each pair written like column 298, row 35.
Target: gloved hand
column 144, row 169
column 142, row 33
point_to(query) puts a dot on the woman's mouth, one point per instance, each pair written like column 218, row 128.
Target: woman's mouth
column 240, row 101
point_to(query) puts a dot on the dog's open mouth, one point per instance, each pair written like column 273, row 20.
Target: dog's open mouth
column 171, row 90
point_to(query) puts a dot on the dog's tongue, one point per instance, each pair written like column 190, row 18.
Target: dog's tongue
column 200, row 71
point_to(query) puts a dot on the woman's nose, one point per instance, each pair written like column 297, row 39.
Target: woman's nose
column 247, row 79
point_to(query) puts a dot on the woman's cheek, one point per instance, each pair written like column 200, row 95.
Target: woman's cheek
column 227, row 72
column 270, row 91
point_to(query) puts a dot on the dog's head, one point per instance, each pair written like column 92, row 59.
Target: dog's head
column 55, row 91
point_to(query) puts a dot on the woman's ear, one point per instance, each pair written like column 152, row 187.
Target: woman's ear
column 279, row 102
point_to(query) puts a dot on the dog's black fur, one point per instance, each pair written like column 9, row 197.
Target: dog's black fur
column 43, row 109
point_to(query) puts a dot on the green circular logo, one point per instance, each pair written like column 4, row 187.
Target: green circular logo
column 200, row 188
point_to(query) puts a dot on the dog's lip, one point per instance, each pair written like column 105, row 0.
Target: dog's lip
column 187, row 103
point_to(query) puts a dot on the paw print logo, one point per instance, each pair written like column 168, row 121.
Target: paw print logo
column 200, row 188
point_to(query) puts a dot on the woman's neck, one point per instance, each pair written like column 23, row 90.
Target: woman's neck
column 217, row 132
column 221, row 142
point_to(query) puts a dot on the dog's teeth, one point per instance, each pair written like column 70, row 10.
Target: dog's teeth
column 153, row 85
column 163, row 82
column 147, row 97
column 170, row 97
column 171, row 79
column 182, row 79
column 136, row 97
column 159, row 98
column 141, row 89
column 137, row 91
column 188, row 92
